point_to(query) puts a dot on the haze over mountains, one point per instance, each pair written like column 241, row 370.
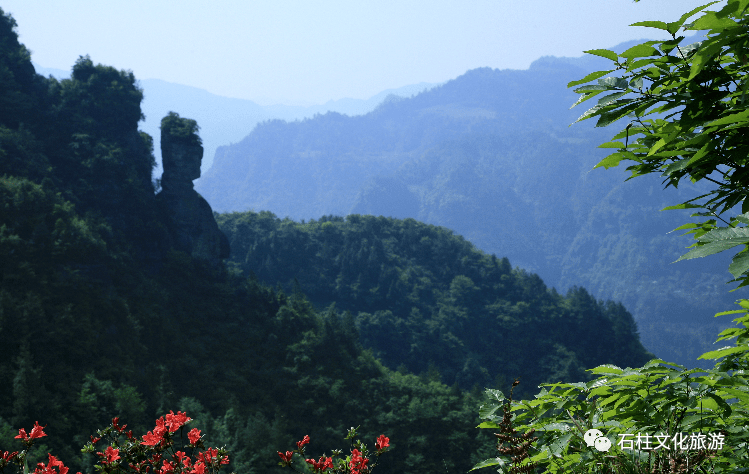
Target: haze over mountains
column 225, row 120
column 490, row 155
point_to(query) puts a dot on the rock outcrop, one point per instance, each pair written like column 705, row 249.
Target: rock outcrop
column 191, row 222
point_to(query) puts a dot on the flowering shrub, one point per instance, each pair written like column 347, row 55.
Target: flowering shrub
column 155, row 453
column 356, row 463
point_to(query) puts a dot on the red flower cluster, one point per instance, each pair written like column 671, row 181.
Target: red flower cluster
column 382, row 442
column 176, row 421
column 134, row 453
column 110, row 454
column 301, row 443
column 357, row 462
column 36, row 432
column 53, row 462
column 193, row 435
column 322, row 464
column 286, row 458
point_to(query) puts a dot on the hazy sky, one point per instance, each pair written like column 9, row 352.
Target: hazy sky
column 305, row 52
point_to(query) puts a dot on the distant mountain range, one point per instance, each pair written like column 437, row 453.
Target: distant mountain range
column 491, row 156
column 225, row 120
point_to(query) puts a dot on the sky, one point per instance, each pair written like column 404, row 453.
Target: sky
column 298, row 52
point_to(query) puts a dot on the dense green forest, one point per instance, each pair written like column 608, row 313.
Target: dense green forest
column 427, row 301
column 102, row 314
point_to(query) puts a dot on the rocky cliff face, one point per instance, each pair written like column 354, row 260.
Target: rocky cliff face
column 191, row 223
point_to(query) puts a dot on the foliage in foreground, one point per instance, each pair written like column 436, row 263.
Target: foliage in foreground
column 696, row 95
column 695, row 417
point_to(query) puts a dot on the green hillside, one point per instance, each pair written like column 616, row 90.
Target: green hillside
column 427, row 301
column 101, row 316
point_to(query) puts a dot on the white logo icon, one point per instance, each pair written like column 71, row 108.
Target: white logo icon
column 595, row 438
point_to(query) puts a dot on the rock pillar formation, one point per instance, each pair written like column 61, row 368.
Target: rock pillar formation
column 193, row 228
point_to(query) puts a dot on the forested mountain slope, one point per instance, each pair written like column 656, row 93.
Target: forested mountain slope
column 101, row 317
column 490, row 156
column 426, row 300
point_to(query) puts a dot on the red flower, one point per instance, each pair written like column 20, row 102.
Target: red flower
column 357, row 463
column 111, row 454
column 175, row 421
column 286, row 457
column 152, row 439
column 94, row 440
column 120, row 429
column 167, row 467
column 193, row 435
column 301, row 443
column 183, row 458
column 382, row 442
column 199, row 468
column 322, row 464
column 7, row 455
column 53, row 462
column 36, row 432
column 208, row 455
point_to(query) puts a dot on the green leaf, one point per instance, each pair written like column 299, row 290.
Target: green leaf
column 607, row 118
column 722, row 352
column 712, row 21
column 742, row 116
column 488, row 424
column 685, row 16
column 486, row 411
column 604, row 53
column 591, row 88
column 559, row 444
column 556, row 427
column 701, row 58
column 709, row 249
column 614, row 159
column 720, row 404
column 607, row 369
column 615, row 82
column 739, row 264
column 618, row 145
column 732, row 234
column 488, row 463
column 590, row 77
column 610, row 399
column 699, row 155
column 741, row 395
column 660, row 143
column 652, row 24
column 676, row 166
column 743, row 218
column 640, row 51
column 611, row 97
column 585, row 97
